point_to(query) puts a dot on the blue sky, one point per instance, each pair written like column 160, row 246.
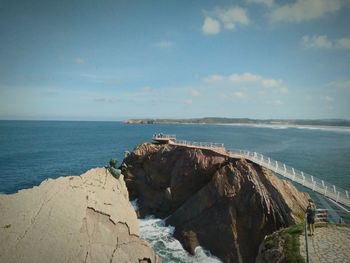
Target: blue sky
column 113, row 60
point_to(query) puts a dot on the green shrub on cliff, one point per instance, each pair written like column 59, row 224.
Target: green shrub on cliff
column 282, row 246
column 292, row 245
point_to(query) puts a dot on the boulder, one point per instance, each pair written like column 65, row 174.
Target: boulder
column 224, row 204
column 85, row 218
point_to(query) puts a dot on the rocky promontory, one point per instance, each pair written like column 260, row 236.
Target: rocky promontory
column 224, row 204
column 85, row 218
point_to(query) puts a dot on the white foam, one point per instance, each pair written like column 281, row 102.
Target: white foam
column 135, row 204
column 165, row 245
column 288, row 126
column 269, row 126
column 325, row 128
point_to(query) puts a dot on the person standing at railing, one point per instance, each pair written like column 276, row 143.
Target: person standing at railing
column 310, row 216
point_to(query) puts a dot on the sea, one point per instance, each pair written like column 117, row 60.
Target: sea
column 32, row 151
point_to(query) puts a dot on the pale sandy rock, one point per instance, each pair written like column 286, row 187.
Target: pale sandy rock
column 85, row 218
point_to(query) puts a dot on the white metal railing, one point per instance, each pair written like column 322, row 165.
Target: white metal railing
column 164, row 136
column 199, row 144
column 321, row 215
column 331, row 191
column 306, row 241
column 335, row 193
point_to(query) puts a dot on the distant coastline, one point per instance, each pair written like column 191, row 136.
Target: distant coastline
column 246, row 121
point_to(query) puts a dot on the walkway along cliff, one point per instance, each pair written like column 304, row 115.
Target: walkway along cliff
column 225, row 204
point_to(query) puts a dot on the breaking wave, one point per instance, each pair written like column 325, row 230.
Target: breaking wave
column 166, row 246
column 290, row 126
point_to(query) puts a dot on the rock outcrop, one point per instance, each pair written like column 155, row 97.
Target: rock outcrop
column 85, row 218
column 224, row 204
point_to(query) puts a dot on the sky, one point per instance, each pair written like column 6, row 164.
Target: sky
column 115, row 60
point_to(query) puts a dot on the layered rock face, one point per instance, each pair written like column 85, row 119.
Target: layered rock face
column 85, row 218
column 224, row 204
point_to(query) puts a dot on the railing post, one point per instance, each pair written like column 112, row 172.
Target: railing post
column 347, row 194
column 293, row 174
column 276, row 166
column 269, row 161
column 302, row 174
column 306, row 242
column 285, row 168
column 334, row 189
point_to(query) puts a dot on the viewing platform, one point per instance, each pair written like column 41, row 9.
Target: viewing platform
column 171, row 139
column 164, row 138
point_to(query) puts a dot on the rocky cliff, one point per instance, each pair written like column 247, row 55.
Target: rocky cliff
column 224, row 204
column 85, row 218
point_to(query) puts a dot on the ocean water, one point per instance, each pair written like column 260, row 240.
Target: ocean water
column 31, row 151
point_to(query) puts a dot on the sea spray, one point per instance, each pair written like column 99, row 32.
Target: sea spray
column 160, row 237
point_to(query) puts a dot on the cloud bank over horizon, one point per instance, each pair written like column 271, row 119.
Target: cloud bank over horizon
column 112, row 60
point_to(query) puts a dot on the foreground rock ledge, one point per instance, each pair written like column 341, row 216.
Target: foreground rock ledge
column 224, row 204
column 85, row 218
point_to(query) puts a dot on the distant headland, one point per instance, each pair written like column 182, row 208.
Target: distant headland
column 246, row 121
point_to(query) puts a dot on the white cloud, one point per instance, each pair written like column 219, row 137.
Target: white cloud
column 79, row 61
column 275, row 102
column 244, row 78
column 228, row 17
column 232, row 16
column 268, row 3
column 316, row 42
column 344, row 42
column 304, row 10
column 163, row 44
column 188, row 102
column 247, row 79
column 323, row 41
column 328, row 99
column 238, row 95
column 340, row 84
column 147, row 89
column 214, row 78
column 195, row 93
column 105, row 100
column 210, row 26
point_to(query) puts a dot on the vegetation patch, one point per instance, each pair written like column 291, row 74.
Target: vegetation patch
column 283, row 246
column 291, row 244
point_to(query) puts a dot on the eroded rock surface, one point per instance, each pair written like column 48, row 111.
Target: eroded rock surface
column 85, row 218
column 224, row 204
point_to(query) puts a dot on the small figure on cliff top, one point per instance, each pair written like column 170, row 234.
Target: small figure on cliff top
column 310, row 216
